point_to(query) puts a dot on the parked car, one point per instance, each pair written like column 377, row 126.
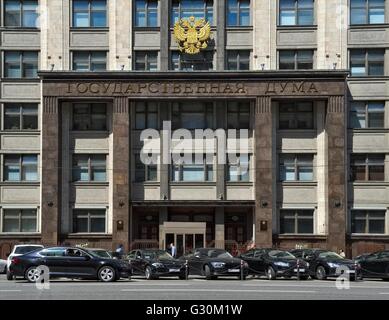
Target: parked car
column 324, row 263
column 375, row 265
column 275, row 263
column 69, row 262
column 102, row 253
column 3, row 266
column 19, row 250
column 211, row 263
column 156, row 263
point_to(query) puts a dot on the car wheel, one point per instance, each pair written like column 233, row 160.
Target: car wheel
column 207, row 272
column 149, row 273
column 107, row 274
column 32, row 274
column 9, row 276
column 385, row 279
column 270, row 273
column 182, row 277
column 321, row 273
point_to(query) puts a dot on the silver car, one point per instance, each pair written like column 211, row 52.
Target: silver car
column 3, row 266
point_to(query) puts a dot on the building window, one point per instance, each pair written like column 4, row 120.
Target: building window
column 146, row 13
column 145, row 172
column 146, row 115
column 367, row 11
column 185, row 62
column 296, row 221
column 20, row 167
column 146, row 60
column 298, row 115
column 20, row 64
column 367, row 114
column 200, row 9
column 192, row 115
column 368, row 62
column 89, row 61
column 238, row 60
column 198, row 169
column 296, row 167
column 89, row 168
column 89, row 221
column 296, row 12
column 20, row 116
column 238, row 13
column 20, row 220
column 296, row 59
column 367, row 167
column 368, row 221
column 89, row 13
column 89, row 116
column 21, row 13
column 238, row 115
column 238, row 168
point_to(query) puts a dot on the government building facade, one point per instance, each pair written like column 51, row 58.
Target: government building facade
column 307, row 79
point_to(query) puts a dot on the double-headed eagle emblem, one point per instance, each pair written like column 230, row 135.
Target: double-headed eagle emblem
column 192, row 35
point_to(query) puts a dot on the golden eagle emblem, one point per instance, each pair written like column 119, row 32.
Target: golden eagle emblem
column 192, row 35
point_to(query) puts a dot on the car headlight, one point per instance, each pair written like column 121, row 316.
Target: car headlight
column 157, row 265
column 218, row 264
column 333, row 265
column 281, row 264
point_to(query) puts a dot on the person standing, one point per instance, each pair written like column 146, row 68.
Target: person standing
column 342, row 254
column 173, row 250
column 120, row 251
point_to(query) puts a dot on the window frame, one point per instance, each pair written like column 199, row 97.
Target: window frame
column 90, row 59
column 238, row 113
column 296, row 59
column 21, row 62
column 367, row 12
column 21, row 115
column 295, row 214
column 21, row 13
column 180, row 10
column 145, row 55
column 366, row 219
column 240, row 176
column 238, row 15
column 298, row 162
column 208, row 110
column 138, row 165
column 367, row 114
column 147, row 12
column 21, row 167
column 236, row 55
column 356, row 161
column 367, row 62
column 90, row 116
column 76, row 214
column 90, row 11
column 181, row 62
column 208, row 169
column 294, row 115
column 146, row 112
column 90, row 167
column 296, row 9
column 20, row 218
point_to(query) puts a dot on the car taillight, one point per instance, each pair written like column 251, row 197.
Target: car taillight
column 15, row 260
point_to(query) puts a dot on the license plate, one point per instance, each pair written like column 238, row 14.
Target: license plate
column 174, row 270
column 300, row 270
column 350, row 271
column 233, row 270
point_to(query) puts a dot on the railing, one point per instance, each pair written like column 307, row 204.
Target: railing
column 144, row 244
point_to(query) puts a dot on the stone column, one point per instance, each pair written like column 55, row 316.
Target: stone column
column 164, row 35
column 263, row 172
column 337, row 199
column 51, row 171
column 219, row 227
column 121, row 172
column 221, row 34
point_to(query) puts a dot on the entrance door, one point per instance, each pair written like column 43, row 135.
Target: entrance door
column 186, row 236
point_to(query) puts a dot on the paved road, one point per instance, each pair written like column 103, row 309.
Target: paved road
column 195, row 289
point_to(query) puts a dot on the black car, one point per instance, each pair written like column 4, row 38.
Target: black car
column 211, row 263
column 67, row 262
column 324, row 264
column 375, row 265
column 156, row 263
column 275, row 263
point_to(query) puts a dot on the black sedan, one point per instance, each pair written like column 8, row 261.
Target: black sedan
column 324, row 264
column 275, row 263
column 66, row 262
column 375, row 265
column 211, row 263
column 156, row 263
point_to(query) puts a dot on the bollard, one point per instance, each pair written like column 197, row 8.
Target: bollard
column 298, row 269
column 356, row 271
column 186, row 270
column 241, row 270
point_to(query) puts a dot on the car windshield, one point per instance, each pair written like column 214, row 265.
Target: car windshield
column 216, row 254
column 157, row 255
column 330, row 255
column 26, row 249
column 281, row 254
column 100, row 254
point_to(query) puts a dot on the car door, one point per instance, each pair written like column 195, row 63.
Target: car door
column 383, row 263
column 249, row 258
column 79, row 263
column 55, row 260
column 259, row 262
column 134, row 259
column 371, row 265
column 195, row 263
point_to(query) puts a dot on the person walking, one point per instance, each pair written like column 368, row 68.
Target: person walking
column 173, row 250
column 120, row 251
